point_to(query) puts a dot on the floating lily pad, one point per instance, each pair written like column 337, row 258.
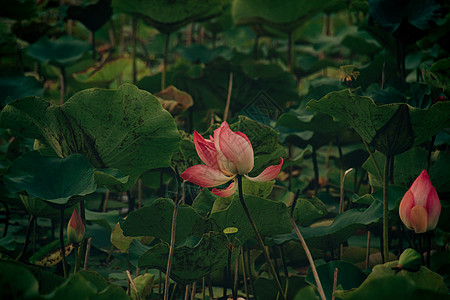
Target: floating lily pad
column 124, row 129
column 193, row 261
column 52, row 179
column 62, row 52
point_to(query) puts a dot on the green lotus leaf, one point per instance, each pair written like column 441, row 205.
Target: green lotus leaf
column 348, row 277
column 124, row 129
column 391, row 128
column 17, row 282
column 384, row 283
column 92, row 15
column 193, row 261
column 156, row 220
column 168, row 16
column 62, row 52
column 53, row 179
column 15, row 87
column 344, row 225
column 271, row 218
column 439, row 75
column 281, row 15
column 104, row 74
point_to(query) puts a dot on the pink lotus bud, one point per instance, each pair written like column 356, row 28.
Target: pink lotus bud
column 420, row 207
column 75, row 228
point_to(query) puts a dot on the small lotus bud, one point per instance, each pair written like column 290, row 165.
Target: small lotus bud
column 410, row 260
column 75, row 228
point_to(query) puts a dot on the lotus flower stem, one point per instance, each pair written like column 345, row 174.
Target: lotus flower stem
column 27, row 237
column 305, row 247
column 133, row 51
column 133, row 285
column 433, row 139
column 63, row 80
column 171, row 250
column 236, row 274
column 7, row 212
column 386, row 209
column 210, row 289
column 249, row 269
column 61, row 241
column 258, row 238
column 166, row 50
column 88, row 250
column 172, row 240
column 230, row 89
column 316, row 171
column 373, row 160
column 341, row 199
column 334, row 283
column 368, row 250
column 244, row 273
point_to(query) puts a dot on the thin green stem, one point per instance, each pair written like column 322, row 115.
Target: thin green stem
column 77, row 258
column 27, row 237
column 259, row 238
column 306, row 249
column 430, row 150
column 61, row 241
column 386, row 209
column 166, row 50
column 316, row 171
column 133, row 50
column 373, row 160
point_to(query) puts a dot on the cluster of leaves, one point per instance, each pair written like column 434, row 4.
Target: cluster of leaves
column 99, row 101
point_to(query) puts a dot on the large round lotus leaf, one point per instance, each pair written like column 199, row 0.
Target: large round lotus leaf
column 344, row 225
column 124, row 129
column 15, row 87
column 168, row 16
column 282, row 15
column 17, row 282
column 62, row 52
column 391, row 128
column 193, row 260
column 270, row 217
column 156, row 220
column 49, row 178
column 384, row 283
column 92, row 15
column 348, row 277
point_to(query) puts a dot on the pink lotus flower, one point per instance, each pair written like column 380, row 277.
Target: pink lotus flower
column 420, row 207
column 75, row 228
column 225, row 155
